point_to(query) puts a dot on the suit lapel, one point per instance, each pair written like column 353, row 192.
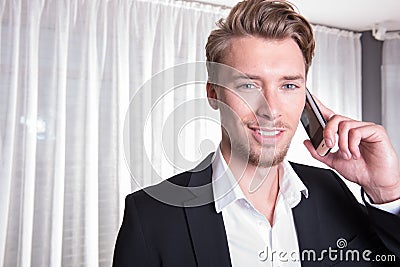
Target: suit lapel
column 206, row 226
column 305, row 216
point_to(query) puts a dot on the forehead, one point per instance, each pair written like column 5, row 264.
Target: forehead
column 257, row 54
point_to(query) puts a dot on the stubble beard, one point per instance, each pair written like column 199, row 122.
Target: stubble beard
column 256, row 154
column 264, row 157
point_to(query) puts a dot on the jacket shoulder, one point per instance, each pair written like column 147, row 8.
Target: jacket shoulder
column 155, row 192
column 321, row 179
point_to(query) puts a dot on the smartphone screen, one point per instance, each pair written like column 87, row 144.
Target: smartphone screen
column 314, row 124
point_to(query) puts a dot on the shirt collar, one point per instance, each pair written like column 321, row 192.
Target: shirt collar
column 226, row 189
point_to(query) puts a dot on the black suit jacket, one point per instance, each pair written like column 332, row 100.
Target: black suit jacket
column 157, row 234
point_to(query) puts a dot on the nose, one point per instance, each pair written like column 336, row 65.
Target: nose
column 269, row 105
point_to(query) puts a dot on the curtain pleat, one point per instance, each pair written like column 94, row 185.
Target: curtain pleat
column 8, row 106
column 390, row 90
column 60, row 82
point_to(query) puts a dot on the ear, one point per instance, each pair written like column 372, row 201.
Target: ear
column 212, row 95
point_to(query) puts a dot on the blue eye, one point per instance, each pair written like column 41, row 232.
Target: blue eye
column 290, row 86
column 247, row 86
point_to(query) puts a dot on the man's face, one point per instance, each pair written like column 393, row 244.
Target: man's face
column 260, row 110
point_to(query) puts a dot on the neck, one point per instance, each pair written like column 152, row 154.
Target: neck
column 260, row 185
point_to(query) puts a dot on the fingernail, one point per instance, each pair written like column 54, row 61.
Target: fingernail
column 328, row 142
column 345, row 155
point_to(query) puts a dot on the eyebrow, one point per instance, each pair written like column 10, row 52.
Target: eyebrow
column 246, row 77
column 255, row 77
column 292, row 78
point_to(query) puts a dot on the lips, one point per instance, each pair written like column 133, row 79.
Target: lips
column 267, row 135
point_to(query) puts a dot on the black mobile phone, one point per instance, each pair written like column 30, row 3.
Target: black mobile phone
column 314, row 123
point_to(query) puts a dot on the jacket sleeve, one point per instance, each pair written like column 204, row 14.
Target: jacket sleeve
column 386, row 225
column 131, row 248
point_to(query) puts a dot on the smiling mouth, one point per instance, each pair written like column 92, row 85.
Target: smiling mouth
column 268, row 133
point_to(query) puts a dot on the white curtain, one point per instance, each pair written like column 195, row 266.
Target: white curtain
column 390, row 90
column 62, row 97
column 68, row 70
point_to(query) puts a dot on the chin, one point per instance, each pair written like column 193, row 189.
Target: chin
column 261, row 156
column 266, row 163
column 269, row 159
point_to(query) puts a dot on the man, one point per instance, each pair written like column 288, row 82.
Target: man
column 281, row 213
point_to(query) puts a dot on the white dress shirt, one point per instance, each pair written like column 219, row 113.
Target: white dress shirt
column 252, row 241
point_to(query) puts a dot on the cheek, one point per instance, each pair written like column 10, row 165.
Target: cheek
column 232, row 103
column 295, row 109
column 299, row 109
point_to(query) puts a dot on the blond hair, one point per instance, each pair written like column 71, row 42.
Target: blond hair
column 261, row 18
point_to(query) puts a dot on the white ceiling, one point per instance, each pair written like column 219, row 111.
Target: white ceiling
column 355, row 15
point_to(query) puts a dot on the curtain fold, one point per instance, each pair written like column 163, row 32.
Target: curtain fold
column 176, row 34
column 70, row 151
column 8, row 106
column 336, row 73
column 58, row 171
column 390, row 90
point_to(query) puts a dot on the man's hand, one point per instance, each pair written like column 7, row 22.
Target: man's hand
column 365, row 155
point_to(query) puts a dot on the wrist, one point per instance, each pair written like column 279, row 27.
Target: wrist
column 382, row 195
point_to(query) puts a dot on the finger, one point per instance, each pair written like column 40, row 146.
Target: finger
column 343, row 138
column 372, row 133
column 350, row 136
column 324, row 159
column 368, row 133
column 332, row 128
column 333, row 125
column 354, row 142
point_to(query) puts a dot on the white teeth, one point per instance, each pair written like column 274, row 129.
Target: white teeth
column 269, row 133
